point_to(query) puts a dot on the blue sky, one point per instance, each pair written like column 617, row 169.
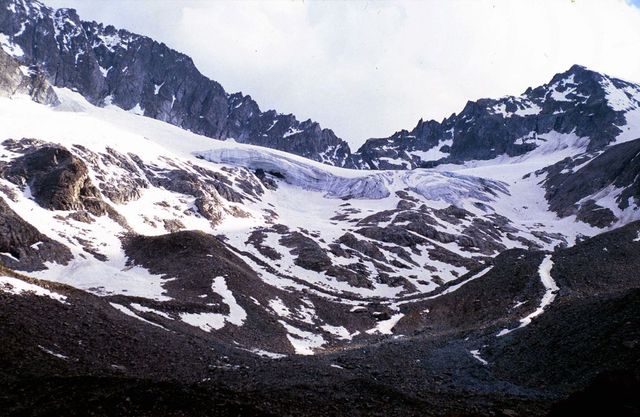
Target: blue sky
column 369, row 68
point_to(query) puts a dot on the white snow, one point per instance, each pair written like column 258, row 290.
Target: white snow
column 303, row 342
column 267, row 354
column 10, row 256
column 104, row 71
column 386, row 326
column 137, row 110
column 237, row 315
column 52, row 353
column 567, row 85
column 130, row 313
column 150, row 310
column 110, row 42
column 551, row 290
column 434, row 153
column 279, row 308
column 476, row 355
column 205, row 321
column 340, row 332
column 292, row 132
column 110, row 277
column 10, row 47
column 216, row 321
column 20, row 287
column 620, row 99
column 21, row 30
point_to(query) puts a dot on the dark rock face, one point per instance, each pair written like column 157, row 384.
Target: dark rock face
column 57, row 180
column 309, row 254
column 23, row 247
column 206, row 252
column 110, row 66
column 18, row 79
column 572, row 102
column 363, row 246
column 617, row 169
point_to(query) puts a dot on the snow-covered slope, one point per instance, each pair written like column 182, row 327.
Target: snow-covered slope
column 304, row 248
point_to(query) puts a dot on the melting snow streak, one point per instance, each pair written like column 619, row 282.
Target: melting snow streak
column 551, row 289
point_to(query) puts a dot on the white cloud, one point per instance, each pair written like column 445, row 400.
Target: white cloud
column 366, row 69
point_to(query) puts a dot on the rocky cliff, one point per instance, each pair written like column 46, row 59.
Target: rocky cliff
column 110, row 66
column 579, row 107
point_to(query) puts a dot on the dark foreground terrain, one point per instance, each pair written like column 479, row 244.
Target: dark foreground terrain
column 580, row 357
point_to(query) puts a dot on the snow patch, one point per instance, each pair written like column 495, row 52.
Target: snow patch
column 137, row 110
column 144, row 309
column 303, row 342
column 52, row 353
column 476, row 355
column 434, row 153
column 10, row 47
column 130, row 313
column 386, row 326
column 216, row 321
column 20, row 287
column 267, row 354
column 339, row 331
column 551, row 290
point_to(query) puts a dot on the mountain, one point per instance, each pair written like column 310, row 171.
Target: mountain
column 579, row 105
column 116, row 67
column 146, row 269
column 140, row 259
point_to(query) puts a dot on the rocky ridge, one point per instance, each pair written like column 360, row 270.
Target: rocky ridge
column 116, row 67
column 580, row 107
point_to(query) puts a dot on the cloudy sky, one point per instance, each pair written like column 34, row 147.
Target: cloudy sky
column 369, row 68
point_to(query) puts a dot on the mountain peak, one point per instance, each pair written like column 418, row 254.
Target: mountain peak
column 578, row 74
column 578, row 103
column 578, row 68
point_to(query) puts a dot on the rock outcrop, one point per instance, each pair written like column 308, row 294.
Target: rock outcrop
column 56, row 179
column 23, row 247
column 16, row 78
column 596, row 187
